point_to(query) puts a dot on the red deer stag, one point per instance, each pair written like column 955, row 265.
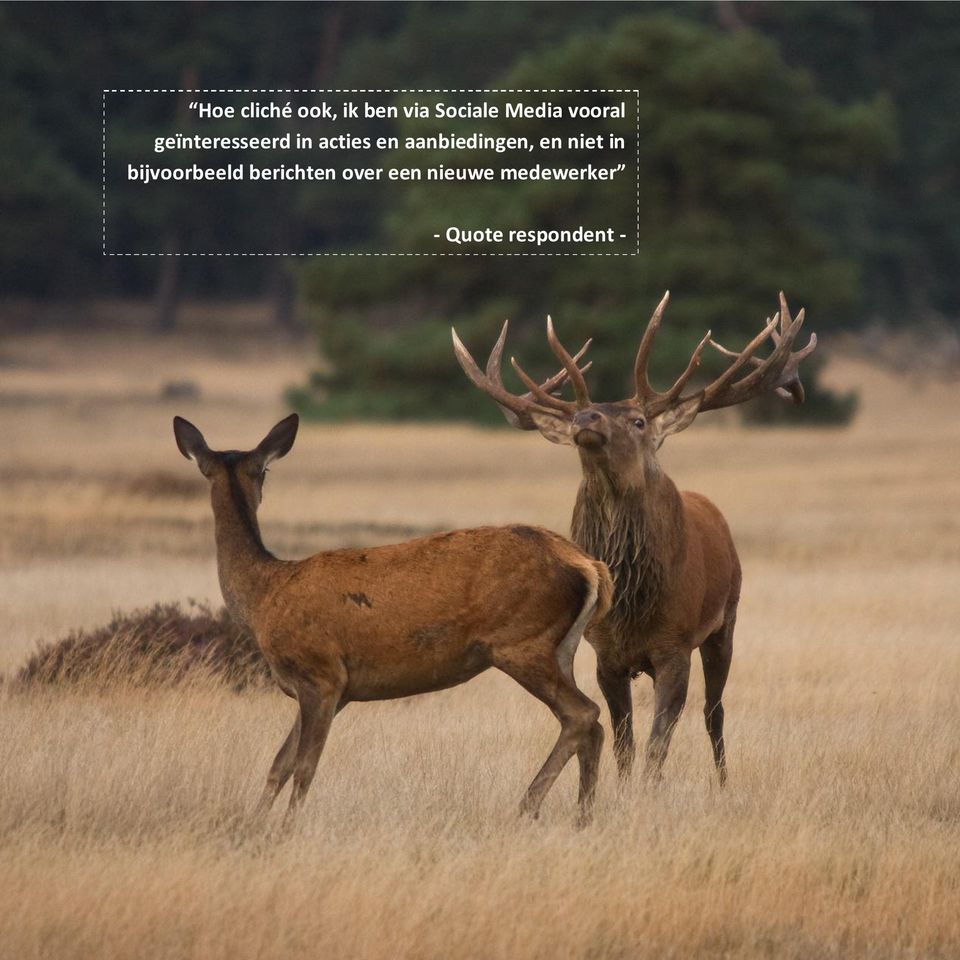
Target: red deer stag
column 675, row 569
column 409, row 618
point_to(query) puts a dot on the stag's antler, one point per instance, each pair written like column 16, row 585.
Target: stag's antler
column 778, row 372
column 517, row 408
column 652, row 401
column 786, row 383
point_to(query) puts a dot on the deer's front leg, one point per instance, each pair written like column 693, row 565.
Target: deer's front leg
column 670, row 694
column 280, row 771
column 319, row 699
column 615, row 687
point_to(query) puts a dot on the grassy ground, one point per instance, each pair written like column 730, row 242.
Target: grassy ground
column 122, row 829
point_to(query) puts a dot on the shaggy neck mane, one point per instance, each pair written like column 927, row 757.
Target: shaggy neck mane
column 637, row 533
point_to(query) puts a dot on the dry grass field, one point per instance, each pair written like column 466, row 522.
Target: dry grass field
column 122, row 811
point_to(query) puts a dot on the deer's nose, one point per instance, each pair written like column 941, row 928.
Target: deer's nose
column 588, row 430
column 586, row 419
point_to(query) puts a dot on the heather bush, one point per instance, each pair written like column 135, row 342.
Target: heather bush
column 161, row 645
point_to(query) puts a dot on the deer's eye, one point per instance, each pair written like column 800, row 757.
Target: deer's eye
column 639, row 423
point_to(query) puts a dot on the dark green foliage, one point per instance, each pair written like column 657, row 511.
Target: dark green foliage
column 162, row 645
column 739, row 155
column 815, row 149
column 55, row 59
column 907, row 235
column 46, row 187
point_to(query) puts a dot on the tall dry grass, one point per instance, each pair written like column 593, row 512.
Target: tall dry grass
column 123, row 811
column 124, row 832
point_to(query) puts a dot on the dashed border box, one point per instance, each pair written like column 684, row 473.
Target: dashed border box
column 357, row 253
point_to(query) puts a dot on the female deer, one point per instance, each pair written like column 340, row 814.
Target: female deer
column 404, row 619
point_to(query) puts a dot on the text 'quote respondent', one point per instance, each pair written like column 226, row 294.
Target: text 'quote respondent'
column 494, row 172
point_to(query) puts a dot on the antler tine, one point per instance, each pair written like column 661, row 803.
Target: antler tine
column 777, row 340
column 496, row 356
column 573, row 371
column 495, row 362
column 561, row 377
column 492, row 387
column 778, row 372
column 785, row 319
column 763, row 377
column 743, row 357
column 792, row 392
column 788, row 384
column 517, row 408
column 541, row 391
column 644, row 390
column 674, row 392
column 567, row 406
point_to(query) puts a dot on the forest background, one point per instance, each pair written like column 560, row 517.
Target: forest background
column 806, row 147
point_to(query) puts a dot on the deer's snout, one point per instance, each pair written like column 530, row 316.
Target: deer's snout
column 589, row 429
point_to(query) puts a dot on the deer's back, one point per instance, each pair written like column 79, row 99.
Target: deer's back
column 426, row 614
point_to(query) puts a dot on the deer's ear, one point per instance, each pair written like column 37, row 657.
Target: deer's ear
column 279, row 440
column 675, row 419
column 555, row 429
column 191, row 443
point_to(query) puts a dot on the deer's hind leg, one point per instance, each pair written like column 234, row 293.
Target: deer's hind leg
column 590, row 748
column 580, row 731
column 716, row 652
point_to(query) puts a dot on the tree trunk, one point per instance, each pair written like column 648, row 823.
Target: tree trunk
column 167, row 298
column 283, row 296
column 281, row 284
column 729, row 16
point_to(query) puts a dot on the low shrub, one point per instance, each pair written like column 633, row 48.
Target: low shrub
column 161, row 645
